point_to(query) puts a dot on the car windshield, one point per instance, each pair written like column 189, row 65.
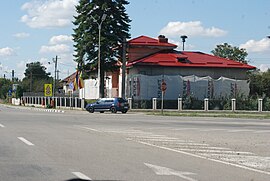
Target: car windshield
column 121, row 100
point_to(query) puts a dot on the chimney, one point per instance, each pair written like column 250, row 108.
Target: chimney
column 162, row 39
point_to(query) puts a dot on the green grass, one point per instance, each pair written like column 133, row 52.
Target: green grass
column 225, row 114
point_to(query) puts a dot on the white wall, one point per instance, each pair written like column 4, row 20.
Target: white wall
column 91, row 88
column 16, row 101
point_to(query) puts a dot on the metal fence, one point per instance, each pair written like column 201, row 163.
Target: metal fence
column 204, row 105
column 53, row 102
column 180, row 104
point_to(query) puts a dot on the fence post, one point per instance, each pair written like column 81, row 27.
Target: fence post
column 260, row 105
column 130, row 103
column 233, row 104
column 180, row 104
column 154, row 103
column 82, row 103
column 65, row 102
column 206, row 104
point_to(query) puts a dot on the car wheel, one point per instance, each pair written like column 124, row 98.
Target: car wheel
column 91, row 109
column 113, row 110
column 124, row 111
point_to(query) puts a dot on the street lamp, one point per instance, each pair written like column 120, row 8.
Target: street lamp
column 183, row 37
column 99, row 34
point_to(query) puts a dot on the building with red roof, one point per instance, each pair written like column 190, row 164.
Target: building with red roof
column 151, row 61
column 151, row 56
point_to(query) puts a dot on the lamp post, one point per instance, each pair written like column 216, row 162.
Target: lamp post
column 99, row 34
column 124, row 44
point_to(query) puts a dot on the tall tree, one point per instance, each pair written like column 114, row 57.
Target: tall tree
column 259, row 83
column 5, row 86
column 35, row 77
column 227, row 51
column 86, row 34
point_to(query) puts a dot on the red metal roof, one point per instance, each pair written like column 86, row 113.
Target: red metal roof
column 189, row 59
column 147, row 41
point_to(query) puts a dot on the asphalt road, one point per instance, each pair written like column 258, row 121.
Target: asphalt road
column 49, row 146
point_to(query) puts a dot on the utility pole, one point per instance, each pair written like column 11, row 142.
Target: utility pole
column 30, row 68
column 124, row 44
column 55, row 73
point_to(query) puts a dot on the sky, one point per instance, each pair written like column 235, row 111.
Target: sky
column 38, row 30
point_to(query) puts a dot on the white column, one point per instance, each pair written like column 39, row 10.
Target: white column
column 154, row 102
column 206, row 104
column 260, row 105
column 130, row 103
column 180, row 104
column 233, row 104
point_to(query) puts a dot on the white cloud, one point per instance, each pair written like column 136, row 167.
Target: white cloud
column 60, row 39
column 180, row 45
column 58, row 49
column 49, row 14
column 262, row 45
column 6, row 52
column 192, row 28
column 264, row 67
column 21, row 35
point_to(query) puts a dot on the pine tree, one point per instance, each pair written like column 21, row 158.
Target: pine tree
column 114, row 28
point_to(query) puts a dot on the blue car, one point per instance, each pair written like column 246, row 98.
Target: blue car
column 108, row 104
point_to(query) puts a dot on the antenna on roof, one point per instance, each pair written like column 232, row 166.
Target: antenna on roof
column 183, row 37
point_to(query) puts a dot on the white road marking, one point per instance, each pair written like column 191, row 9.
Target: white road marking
column 168, row 171
column 207, row 130
column 166, row 140
column 263, row 131
column 193, row 144
column 206, row 158
column 239, row 130
column 217, row 151
column 182, row 129
column 127, row 132
column 203, row 147
column 81, row 176
column 2, row 126
column 247, row 160
column 25, row 141
column 91, row 129
column 152, row 136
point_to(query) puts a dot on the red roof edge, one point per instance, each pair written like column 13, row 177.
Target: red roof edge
column 148, row 41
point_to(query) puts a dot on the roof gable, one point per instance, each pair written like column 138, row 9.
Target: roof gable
column 147, row 41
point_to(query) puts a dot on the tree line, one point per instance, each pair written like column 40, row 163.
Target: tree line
column 35, row 77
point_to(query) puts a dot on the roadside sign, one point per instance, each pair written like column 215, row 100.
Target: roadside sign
column 9, row 93
column 47, row 90
column 163, row 86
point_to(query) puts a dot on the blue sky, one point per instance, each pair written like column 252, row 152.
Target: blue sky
column 38, row 30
